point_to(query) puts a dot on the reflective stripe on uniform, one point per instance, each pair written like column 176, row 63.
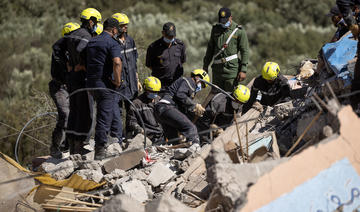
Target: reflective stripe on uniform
column 164, row 101
column 76, row 133
column 128, row 50
column 188, row 84
column 226, row 59
column 270, row 94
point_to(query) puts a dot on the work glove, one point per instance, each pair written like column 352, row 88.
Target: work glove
column 199, row 110
column 257, row 106
column 139, row 86
column 354, row 28
column 218, row 130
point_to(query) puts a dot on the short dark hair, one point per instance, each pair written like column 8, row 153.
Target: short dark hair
column 111, row 23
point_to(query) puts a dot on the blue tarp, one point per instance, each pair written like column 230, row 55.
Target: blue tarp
column 337, row 55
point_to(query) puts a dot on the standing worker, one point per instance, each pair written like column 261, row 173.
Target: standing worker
column 79, row 122
column 104, row 69
column 346, row 7
column 220, row 111
column 166, row 56
column 145, row 104
column 132, row 86
column 177, row 105
column 268, row 89
column 338, row 22
column 58, row 89
column 227, row 39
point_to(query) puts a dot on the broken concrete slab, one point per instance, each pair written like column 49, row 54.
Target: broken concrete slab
column 283, row 110
column 134, row 189
column 138, row 142
column 90, row 174
column 59, row 169
column 122, row 203
column 160, row 173
column 113, row 150
column 167, row 203
column 334, row 171
column 125, row 161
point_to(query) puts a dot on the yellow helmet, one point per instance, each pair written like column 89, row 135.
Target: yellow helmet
column 241, row 93
column 204, row 75
column 69, row 27
column 121, row 17
column 90, row 12
column 152, row 84
column 270, row 70
column 99, row 28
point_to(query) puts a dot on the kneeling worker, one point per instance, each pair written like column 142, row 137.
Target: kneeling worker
column 272, row 85
column 145, row 104
column 178, row 101
column 220, row 111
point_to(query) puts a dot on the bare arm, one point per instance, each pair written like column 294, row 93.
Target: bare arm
column 117, row 68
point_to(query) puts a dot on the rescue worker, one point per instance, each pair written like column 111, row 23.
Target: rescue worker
column 58, row 89
column 219, row 113
column 166, row 56
column 345, row 7
column 129, row 52
column 144, row 104
column 268, row 89
column 338, row 22
column 79, row 122
column 104, row 69
column 227, row 39
column 177, row 105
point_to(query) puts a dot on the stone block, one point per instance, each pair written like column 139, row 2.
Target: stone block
column 125, row 161
column 160, row 174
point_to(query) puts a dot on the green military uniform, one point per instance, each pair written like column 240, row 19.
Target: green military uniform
column 226, row 65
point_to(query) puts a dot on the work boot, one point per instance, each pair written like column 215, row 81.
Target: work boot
column 78, row 148
column 99, row 152
column 55, row 152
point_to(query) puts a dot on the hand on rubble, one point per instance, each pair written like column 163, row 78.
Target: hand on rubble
column 218, row 130
column 355, row 30
column 139, row 86
column 199, row 110
column 257, row 106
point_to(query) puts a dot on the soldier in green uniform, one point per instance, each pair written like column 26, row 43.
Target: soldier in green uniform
column 226, row 40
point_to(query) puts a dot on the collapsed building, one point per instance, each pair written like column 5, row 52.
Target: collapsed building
column 301, row 154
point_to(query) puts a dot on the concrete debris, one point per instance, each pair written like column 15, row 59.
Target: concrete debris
column 122, row 203
column 117, row 173
column 125, row 161
column 94, row 165
column 306, row 70
column 138, row 142
column 181, row 153
column 160, row 174
column 283, row 110
column 113, row 150
column 59, row 169
column 90, row 174
column 167, row 204
column 134, row 189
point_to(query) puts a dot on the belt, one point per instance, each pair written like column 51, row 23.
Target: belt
column 225, row 59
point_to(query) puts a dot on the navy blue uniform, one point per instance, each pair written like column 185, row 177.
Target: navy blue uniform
column 171, row 108
column 79, row 122
column 166, row 62
column 100, row 52
column 58, row 90
column 345, row 7
column 271, row 93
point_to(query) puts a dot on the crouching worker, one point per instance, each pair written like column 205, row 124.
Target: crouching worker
column 144, row 104
column 268, row 89
column 219, row 113
column 178, row 101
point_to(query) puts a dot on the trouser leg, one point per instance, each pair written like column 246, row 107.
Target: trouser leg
column 116, row 124
column 172, row 118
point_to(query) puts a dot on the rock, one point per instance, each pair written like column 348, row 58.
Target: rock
column 327, row 131
column 230, row 181
column 77, row 160
column 113, row 150
column 94, row 165
column 117, row 173
column 160, row 174
column 138, row 142
column 134, row 189
column 167, row 204
column 181, row 153
column 138, row 175
column 125, row 161
column 283, row 110
column 59, row 169
column 89, row 174
column 122, row 203
column 198, row 186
